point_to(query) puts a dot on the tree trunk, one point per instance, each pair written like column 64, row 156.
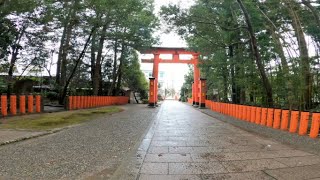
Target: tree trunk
column 114, row 72
column 62, row 43
column 122, row 58
column 96, row 77
column 135, row 97
column 93, row 56
column 225, row 84
column 304, row 56
column 64, row 55
column 276, row 37
column 284, row 64
column 58, row 71
column 65, row 88
column 233, row 80
column 13, row 60
column 257, row 56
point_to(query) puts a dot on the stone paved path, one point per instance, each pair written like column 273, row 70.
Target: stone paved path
column 186, row 144
column 92, row 150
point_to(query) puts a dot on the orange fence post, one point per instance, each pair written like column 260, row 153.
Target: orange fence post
column 38, row 103
column 74, row 102
column 92, row 101
column 89, row 101
column 277, row 118
column 314, row 132
column 237, row 111
column 22, row 104
column 82, row 102
column 30, row 103
column 13, row 104
column 241, row 116
column 108, row 100
column 78, row 102
column 264, row 113
column 304, row 122
column 294, row 121
column 284, row 120
column 248, row 113
column 270, row 117
column 258, row 115
column 253, row 114
column 70, row 103
column 4, row 105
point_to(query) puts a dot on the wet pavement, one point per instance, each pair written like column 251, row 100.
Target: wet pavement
column 172, row 142
column 186, row 144
column 92, row 150
column 10, row 136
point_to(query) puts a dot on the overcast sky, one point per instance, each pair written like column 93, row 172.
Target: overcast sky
column 171, row 39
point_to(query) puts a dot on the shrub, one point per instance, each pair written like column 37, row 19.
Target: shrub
column 53, row 96
column 145, row 101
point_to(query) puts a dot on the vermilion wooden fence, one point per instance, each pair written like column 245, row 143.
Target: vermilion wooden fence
column 303, row 123
column 29, row 104
column 84, row 102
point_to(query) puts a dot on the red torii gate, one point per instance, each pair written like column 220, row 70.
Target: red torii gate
column 199, row 84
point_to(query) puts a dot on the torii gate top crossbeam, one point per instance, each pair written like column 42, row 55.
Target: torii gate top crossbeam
column 174, row 51
column 167, row 50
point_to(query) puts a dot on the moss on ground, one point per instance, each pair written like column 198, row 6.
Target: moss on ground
column 50, row 121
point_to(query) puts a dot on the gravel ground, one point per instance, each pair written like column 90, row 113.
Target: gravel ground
column 300, row 142
column 98, row 146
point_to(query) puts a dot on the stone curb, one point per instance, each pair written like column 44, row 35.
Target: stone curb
column 33, row 136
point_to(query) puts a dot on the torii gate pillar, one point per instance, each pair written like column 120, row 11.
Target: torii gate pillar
column 203, row 93
column 152, row 92
column 156, row 74
column 196, row 77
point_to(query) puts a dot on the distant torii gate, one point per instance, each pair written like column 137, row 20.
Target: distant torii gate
column 199, row 84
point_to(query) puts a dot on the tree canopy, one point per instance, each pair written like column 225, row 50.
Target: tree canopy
column 254, row 52
column 86, row 42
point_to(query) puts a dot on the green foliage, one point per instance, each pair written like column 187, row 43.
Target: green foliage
column 133, row 76
column 33, row 34
column 52, row 96
column 217, row 29
column 186, row 89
